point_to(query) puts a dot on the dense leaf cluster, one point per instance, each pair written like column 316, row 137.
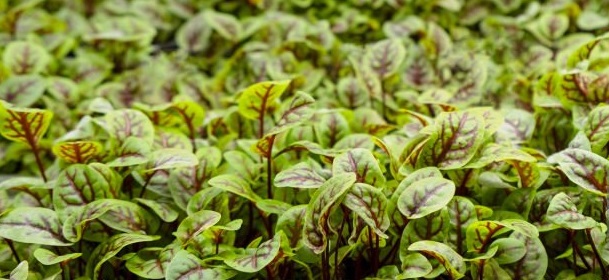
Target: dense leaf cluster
column 304, row 139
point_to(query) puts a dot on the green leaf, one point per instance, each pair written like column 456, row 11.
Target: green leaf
column 452, row 262
column 563, row 212
column 225, row 24
column 291, row 223
column 171, row 138
column 517, row 127
column 425, row 196
column 25, row 58
column 498, row 153
column 184, row 183
column 77, row 151
column 433, row 227
column 509, row 250
column 186, row 266
column 584, row 168
column 164, row 210
column 23, row 91
column 110, row 248
column 47, row 257
column 32, row 225
column 436, row 42
column 454, row 141
column 319, row 209
column 301, row 175
column 350, row 93
column 596, row 128
column 78, row 185
column 171, row 158
column 152, row 267
column 24, row 125
column 206, row 198
column 369, row 203
column 21, row 271
column 193, row 35
column 549, row 27
column 195, row 224
column 415, row 265
column 254, row 259
column 461, row 214
column 133, row 151
column 392, row 208
column 331, row 128
column 367, row 79
column 125, row 123
column 480, row 233
column 74, row 224
column 235, row 185
column 129, row 217
column 297, row 111
column 384, row 57
column 256, row 99
column 591, row 20
column 584, row 52
column 19, row 182
column 272, row 206
column 533, row 264
column 362, row 163
column 506, row 5
column 63, row 89
column 191, row 115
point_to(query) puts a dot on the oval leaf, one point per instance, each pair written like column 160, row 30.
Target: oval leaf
column 124, row 123
column 256, row 99
column 186, row 266
column 454, row 141
column 319, row 210
column 24, row 125
column 425, row 197
column 563, row 212
column 586, row 169
column 32, row 225
column 77, row 151
column 171, row 158
column 369, row 203
column 298, row 110
column 195, row 224
column 110, row 248
column 25, row 58
column 47, row 257
column 301, row 175
column 255, row 259
column 452, row 262
column 362, row 163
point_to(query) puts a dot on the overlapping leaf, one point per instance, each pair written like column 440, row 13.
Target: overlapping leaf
column 320, row 207
column 77, row 151
column 455, row 138
column 584, row 168
column 452, row 262
column 24, row 125
column 195, row 224
column 186, row 266
column 425, row 196
column 110, row 248
column 124, row 123
column 362, row 163
column 33, row 225
column 255, row 259
column 370, row 204
column 562, row 211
